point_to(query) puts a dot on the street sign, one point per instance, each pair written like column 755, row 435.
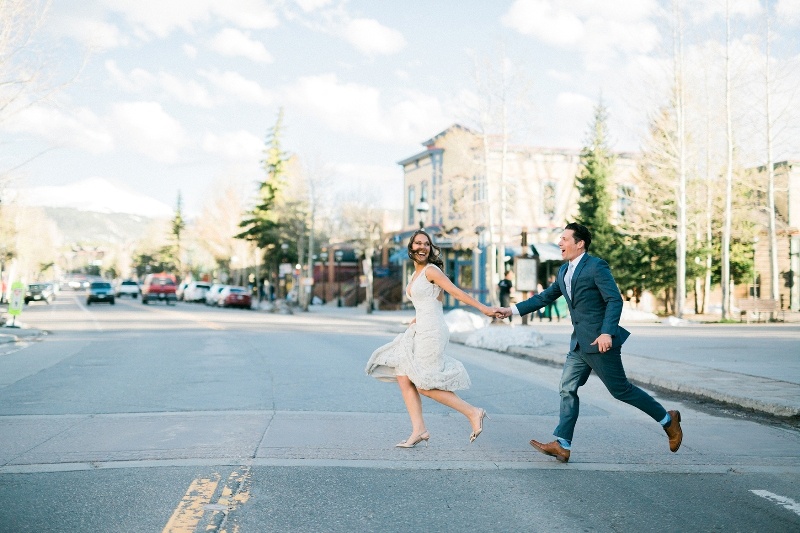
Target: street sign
column 526, row 273
column 17, row 299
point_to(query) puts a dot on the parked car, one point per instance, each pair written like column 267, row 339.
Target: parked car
column 213, row 293
column 77, row 283
column 234, row 297
column 159, row 287
column 128, row 287
column 196, row 291
column 40, row 292
column 180, row 291
column 100, row 291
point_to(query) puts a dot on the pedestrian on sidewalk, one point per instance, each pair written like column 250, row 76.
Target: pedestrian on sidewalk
column 595, row 306
column 504, row 290
column 416, row 358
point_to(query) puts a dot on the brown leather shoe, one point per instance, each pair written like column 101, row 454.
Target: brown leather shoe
column 674, row 431
column 552, row 448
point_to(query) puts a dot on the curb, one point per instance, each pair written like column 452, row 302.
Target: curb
column 762, row 395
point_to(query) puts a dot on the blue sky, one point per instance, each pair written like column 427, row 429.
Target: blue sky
column 169, row 95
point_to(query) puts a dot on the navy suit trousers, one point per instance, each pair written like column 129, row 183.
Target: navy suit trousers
column 608, row 367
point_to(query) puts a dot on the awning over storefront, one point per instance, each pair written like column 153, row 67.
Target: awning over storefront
column 547, row 251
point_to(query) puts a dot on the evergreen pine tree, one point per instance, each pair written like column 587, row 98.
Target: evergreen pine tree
column 261, row 223
column 594, row 204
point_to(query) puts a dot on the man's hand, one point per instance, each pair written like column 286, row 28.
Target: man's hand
column 502, row 312
column 603, row 342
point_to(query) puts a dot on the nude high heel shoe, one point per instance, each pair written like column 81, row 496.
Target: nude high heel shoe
column 410, row 443
column 474, row 434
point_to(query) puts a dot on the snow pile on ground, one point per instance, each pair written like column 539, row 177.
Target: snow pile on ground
column 634, row 315
column 502, row 337
column 459, row 321
column 675, row 321
column 492, row 337
column 278, row 306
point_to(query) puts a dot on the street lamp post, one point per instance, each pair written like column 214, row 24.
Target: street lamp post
column 422, row 208
column 338, row 256
column 324, row 258
column 755, row 275
column 358, row 276
column 282, row 279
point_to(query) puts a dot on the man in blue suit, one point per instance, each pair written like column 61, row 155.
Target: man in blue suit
column 595, row 306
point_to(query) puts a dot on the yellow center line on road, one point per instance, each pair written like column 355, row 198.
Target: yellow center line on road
column 235, row 492
column 192, row 506
column 197, row 501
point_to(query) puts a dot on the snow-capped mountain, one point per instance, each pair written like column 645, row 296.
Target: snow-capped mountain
column 96, row 195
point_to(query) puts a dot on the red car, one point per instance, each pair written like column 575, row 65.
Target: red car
column 234, row 297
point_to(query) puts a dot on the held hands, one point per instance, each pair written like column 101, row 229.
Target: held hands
column 603, row 342
column 498, row 312
column 490, row 311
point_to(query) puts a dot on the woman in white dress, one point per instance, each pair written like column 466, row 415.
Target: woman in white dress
column 416, row 358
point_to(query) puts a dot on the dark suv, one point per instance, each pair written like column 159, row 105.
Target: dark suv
column 40, row 292
column 100, row 291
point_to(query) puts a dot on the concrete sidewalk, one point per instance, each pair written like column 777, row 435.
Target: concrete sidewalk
column 763, row 394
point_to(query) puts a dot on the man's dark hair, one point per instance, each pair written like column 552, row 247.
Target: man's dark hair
column 580, row 233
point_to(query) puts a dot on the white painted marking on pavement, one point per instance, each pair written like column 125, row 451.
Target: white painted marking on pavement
column 780, row 500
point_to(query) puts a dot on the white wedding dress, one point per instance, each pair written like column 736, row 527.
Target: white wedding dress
column 419, row 352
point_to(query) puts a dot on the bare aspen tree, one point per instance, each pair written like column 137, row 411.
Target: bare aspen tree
column 728, row 214
column 502, row 97
column 680, row 248
column 773, row 238
column 485, row 105
column 316, row 178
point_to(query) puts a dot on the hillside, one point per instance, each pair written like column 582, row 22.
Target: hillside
column 90, row 227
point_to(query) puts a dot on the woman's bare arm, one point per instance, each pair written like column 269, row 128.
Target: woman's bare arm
column 434, row 275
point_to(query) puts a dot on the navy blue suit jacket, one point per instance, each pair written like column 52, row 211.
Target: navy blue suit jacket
column 595, row 306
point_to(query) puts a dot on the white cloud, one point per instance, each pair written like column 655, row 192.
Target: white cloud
column 545, row 21
column 250, row 14
column 574, row 101
column 372, row 38
column 159, row 18
column 80, row 128
column 311, row 5
column 94, row 34
column 601, row 30
column 235, row 43
column 239, row 87
column 146, row 128
column 559, row 75
column 187, row 92
column 788, row 10
column 357, row 110
column 704, row 10
column 238, row 146
column 190, row 51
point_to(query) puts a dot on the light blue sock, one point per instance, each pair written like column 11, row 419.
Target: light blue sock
column 666, row 420
column 564, row 443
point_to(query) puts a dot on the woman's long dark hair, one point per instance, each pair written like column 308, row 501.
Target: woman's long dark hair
column 434, row 258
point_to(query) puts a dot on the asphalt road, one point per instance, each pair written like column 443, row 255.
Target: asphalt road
column 188, row 418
